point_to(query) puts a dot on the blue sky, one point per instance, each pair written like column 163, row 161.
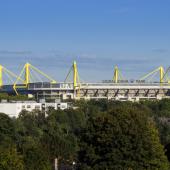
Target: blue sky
column 133, row 34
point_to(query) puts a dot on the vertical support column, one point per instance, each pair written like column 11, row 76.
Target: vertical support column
column 1, row 76
column 161, row 74
column 27, row 73
column 74, row 74
column 116, row 72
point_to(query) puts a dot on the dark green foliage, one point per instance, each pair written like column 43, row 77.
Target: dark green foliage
column 5, row 96
column 59, row 138
column 160, row 112
column 29, row 131
column 124, row 138
column 6, row 130
column 34, row 156
column 10, row 159
column 98, row 134
column 48, row 137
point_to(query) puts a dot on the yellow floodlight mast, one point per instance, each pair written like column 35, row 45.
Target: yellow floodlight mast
column 166, row 77
column 162, row 72
column 7, row 72
column 76, row 79
column 27, row 77
column 27, row 73
column 117, row 75
column 75, row 74
column 159, row 70
column 116, row 72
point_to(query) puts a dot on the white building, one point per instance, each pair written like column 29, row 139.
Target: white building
column 13, row 109
column 56, row 106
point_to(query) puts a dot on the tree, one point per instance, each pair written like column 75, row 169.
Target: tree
column 10, row 159
column 34, row 156
column 58, row 138
column 6, row 128
column 6, row 96
column 29, row 130
column 123, row 138
column 161, row 114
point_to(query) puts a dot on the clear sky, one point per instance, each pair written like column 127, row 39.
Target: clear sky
column 133, row 34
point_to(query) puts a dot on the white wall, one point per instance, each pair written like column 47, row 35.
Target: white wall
column 13, row 109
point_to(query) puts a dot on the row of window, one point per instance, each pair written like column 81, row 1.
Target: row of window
column 29, row 107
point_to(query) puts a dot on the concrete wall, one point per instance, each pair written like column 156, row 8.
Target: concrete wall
column 13, row 109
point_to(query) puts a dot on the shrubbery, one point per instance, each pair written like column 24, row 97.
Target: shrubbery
column 97, row 135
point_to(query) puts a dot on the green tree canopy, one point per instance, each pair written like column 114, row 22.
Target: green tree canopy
column 124, row 138
column 10, row 159
column 7, row 131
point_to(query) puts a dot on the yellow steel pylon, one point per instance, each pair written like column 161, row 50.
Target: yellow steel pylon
column 161, row 74
column 27, row 73
column 116, row 72
column 166, row 77
column 27, row 76
column 76, row 78
column 7, row 72
column 117, row 75
column 75, row 74
column 159, row 70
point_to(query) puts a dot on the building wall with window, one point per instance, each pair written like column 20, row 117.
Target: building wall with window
column 14, row 109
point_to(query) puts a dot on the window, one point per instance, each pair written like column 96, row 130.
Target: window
column 28, row 106
column 63, row 107
column 37, row 107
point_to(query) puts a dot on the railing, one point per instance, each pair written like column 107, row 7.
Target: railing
column 43, row 85
column 125, row 84
column 62, row 85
